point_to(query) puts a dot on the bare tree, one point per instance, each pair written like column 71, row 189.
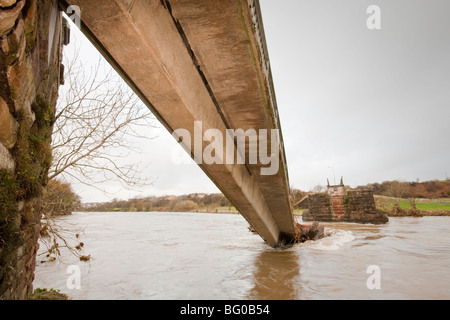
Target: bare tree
column 54, row 235
column 97, row 116
column 397, row 190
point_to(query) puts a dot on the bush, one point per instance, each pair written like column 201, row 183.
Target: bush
column 59, row 199
column 186, row 205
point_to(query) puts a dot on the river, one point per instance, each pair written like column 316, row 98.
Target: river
column 193, row 256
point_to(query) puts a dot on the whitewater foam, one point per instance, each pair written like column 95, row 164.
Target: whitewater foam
column 333, row 240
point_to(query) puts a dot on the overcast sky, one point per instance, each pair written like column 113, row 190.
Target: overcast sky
column 369, row 105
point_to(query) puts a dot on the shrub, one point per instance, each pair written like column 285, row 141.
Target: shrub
column 59, row 199
column 186, row 205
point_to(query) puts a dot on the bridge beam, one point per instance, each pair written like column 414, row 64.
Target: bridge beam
column 194, row 60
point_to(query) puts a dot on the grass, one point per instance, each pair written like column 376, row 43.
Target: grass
column 227, row 208
column 442, row 206
column 421, row 204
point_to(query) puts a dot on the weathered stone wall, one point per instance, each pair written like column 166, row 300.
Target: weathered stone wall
column 319, row 208
column 30, row 54
column 360, row 205
column 346, row 206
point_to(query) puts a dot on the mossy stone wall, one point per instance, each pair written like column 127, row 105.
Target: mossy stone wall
column 30, row 59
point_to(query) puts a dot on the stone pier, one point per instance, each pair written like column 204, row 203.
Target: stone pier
column 30, row 66
column 341, row 204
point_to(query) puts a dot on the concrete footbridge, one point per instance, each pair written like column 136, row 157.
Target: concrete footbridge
column 202, row 67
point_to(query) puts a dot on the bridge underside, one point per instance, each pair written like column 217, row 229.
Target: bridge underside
column 201, row 60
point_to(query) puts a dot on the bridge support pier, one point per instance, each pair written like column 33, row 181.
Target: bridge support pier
column 30, row 59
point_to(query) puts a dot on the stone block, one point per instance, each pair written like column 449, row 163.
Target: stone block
column 349, row 206
column 21, row 81
column 9, row 15
column 30, row 27
column 8, row 126
column 13, row 46
column 6, row 160
column 7, row 3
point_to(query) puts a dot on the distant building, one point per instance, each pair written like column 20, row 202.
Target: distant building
column 90, row 205
column 200, row 195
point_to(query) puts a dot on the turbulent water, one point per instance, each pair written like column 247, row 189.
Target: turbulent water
column 209, row 256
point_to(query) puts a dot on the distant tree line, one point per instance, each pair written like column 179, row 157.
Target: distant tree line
column 421, row 190
column 181, row 203
column 59, row 199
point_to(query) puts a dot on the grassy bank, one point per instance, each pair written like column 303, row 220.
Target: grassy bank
column 221, row 209
column 428, row 206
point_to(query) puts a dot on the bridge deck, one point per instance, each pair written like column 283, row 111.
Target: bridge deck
column 201, row 60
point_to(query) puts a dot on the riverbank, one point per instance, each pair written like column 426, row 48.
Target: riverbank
column 419, row 213
column 217, row 210
column 413, row 207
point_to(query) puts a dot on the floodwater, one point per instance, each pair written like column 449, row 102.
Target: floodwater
column 191, row 256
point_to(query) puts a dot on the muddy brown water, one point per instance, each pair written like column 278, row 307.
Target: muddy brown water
column 199, row 256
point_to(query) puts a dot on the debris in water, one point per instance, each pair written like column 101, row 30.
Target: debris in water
column 80, row 246
column 85, row 258
column 309, row 232
column 304, row 232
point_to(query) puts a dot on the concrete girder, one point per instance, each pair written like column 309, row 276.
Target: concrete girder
column 201, row 60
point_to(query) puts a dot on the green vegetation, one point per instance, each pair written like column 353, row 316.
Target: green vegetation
column 9, row 219
column 8, row 206
column 433, row 206
column 388, row 203
column 229, row 208
column 45, row 294
column 33, row 151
